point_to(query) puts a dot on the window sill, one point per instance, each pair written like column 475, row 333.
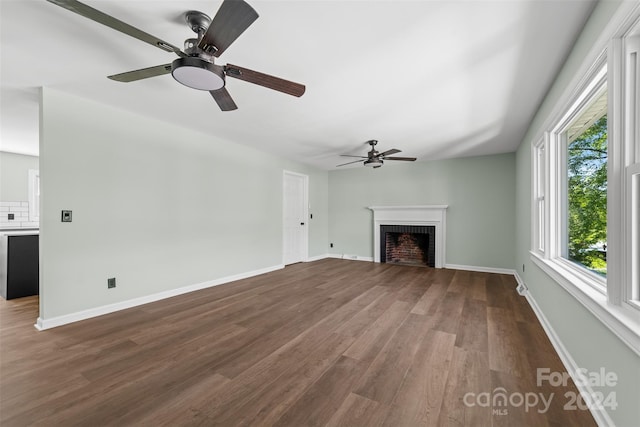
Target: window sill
column 623, row 321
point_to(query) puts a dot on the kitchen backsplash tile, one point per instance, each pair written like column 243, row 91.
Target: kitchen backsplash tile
column 20, row 212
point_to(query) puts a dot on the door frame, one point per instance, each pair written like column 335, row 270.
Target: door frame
column 305, row 211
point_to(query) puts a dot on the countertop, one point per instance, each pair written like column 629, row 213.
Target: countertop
column 19, row 232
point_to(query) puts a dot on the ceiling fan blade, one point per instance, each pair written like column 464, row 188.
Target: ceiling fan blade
column 392, row 151
column 233, row 17
column 406, row 159
column 111, row 22
column 261, row 79
column 344, row 164
column 145, row 73
column 348, row 155
column 223, row 99
column 376, row 167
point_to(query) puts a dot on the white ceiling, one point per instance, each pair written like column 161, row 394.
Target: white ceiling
column 435, row 79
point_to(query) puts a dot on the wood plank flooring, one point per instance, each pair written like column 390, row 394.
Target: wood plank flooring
column 332, row 342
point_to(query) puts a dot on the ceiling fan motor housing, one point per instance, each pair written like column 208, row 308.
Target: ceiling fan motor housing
column 198, row 70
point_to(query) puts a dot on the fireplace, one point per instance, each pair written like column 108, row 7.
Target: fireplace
column 427, row 225
column 408, row 244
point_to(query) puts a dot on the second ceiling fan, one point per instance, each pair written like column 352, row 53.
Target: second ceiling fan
column 195, row 67
column 376, row 159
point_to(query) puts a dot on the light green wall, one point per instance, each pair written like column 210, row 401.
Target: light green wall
column 14, row 176
column 591, row 344
column 480, row 193
column 154, row 205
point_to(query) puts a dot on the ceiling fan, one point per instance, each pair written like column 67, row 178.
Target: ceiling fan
column 195, row 67
column 376, row 159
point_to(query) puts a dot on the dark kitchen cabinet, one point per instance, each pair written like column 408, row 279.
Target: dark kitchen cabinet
column 19, row 265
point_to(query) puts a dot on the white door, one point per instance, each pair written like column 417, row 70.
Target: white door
column 295, row 217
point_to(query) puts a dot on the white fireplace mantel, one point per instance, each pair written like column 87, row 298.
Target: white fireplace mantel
column 429, row 215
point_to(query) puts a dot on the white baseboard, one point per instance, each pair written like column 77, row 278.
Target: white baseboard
column 450, row 266
column 480, row 269
column 601, row 416
column 317, row 257
column 351, row 257
column 53, row 322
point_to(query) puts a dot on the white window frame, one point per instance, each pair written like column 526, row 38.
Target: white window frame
column 539, row 191
column 631, row 293
column 628, row 163
column 616, row 304
column 34, row 195
column 557, row 175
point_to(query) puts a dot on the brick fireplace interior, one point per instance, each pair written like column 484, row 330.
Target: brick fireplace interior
column 408, row 244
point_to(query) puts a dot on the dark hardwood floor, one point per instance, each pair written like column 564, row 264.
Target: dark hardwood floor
column 332, row 342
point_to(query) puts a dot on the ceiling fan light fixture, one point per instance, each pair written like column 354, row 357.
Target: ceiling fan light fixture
column 373, row 162
column 197, row 73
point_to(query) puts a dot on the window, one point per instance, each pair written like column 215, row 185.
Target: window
column 571, row 185
column 586, row 190
column 539, row 167
column 585, row 204
column 630, row 159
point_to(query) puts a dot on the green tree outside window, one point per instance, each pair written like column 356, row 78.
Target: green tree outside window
column 587, row 198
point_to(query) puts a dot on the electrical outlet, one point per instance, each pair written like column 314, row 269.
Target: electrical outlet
column 523, row 268
column 330, row 245
column 111, row 283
